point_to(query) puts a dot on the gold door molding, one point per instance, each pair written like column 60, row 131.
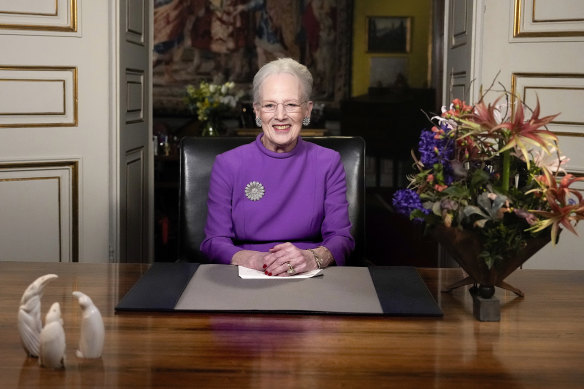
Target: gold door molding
column 37, row 96
column 39, row 15
column 557, row 92
column 548, row 18
column 40, row 210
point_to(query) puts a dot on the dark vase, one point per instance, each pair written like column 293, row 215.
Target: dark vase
column 465, row 246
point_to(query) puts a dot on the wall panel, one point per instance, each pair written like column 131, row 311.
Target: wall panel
column 135, row 18
column 41, row 222
column 36, row 96
column 459, row 31
column 557, row 94
column 458, row 82
column 135, row 90
column 39, row 15
column 548, row 18
column 134, row 201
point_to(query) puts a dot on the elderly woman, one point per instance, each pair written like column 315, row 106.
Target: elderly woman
column 279, row 204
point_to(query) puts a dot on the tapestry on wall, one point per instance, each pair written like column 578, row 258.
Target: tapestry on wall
column 228, row 40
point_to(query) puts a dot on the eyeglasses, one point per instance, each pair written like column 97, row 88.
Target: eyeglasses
column 271, row 107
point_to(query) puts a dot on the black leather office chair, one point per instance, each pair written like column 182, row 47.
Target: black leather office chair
column 197, row 155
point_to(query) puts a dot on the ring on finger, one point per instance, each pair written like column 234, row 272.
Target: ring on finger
column 290, row 268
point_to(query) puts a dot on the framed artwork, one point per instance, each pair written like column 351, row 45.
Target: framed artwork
column 386, row 71
column 388, row 34
column 229, row 40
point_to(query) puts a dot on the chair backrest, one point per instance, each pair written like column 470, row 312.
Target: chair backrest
column 197, row 155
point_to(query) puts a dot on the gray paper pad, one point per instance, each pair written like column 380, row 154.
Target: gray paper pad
column 337, row 290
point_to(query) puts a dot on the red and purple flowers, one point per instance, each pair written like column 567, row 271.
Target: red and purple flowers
column 482, row 168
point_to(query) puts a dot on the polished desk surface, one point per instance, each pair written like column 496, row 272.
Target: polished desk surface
column 539, row 341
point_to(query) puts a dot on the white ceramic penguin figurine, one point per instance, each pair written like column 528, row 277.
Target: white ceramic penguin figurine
column 92, row 330
column 29, row 314
column 52, row 340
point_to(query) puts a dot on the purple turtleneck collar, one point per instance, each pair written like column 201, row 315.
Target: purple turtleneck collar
column 297, row 149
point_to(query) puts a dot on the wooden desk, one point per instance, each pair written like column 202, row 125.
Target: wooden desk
column 538, row 343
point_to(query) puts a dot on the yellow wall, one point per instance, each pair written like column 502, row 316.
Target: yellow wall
column 418, row 57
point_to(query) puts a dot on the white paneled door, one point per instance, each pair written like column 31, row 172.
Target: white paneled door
column 66, row 112
column 534, row 49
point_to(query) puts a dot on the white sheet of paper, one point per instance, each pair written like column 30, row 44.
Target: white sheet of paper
column 252, row 274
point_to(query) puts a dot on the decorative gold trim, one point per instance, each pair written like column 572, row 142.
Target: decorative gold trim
column 554, row 20
column 555, row 88
column 535, row 20
column 71, row 27
column 514, row 77
column 570, row 134
column 75, row 97
column 74, row 169
column 517, row 33
column 514, row 94
column 34, row 13
column 517, row 18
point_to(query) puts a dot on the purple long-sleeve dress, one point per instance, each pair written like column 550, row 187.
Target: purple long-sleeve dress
column 304, row 201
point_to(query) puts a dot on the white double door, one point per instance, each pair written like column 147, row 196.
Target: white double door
column 535, row 48
column 75, row 132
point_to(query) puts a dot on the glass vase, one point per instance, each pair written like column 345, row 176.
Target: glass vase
column 210, row 128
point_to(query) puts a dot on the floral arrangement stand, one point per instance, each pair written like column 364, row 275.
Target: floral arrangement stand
column 211, row 102
column 465, row 247
column 486, row 309
column 492, row 189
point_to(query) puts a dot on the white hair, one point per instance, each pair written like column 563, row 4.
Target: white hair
column 283, row 65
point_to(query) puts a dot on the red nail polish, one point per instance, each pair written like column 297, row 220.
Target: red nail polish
column 266, row 273
column 265, row 265
column 270, row 273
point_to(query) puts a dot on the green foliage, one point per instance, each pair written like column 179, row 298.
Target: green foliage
column 209, row 101
column 500, row 241
column 497, row 173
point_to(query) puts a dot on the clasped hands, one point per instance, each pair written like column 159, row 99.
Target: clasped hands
column 282, row 260
column 285, row 259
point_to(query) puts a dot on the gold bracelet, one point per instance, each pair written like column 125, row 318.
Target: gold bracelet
column 316, row 258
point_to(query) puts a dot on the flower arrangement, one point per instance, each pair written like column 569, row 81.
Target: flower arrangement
column 489, row 169
column 210, row 101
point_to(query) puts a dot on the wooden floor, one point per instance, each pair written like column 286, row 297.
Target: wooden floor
column 539, row 342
